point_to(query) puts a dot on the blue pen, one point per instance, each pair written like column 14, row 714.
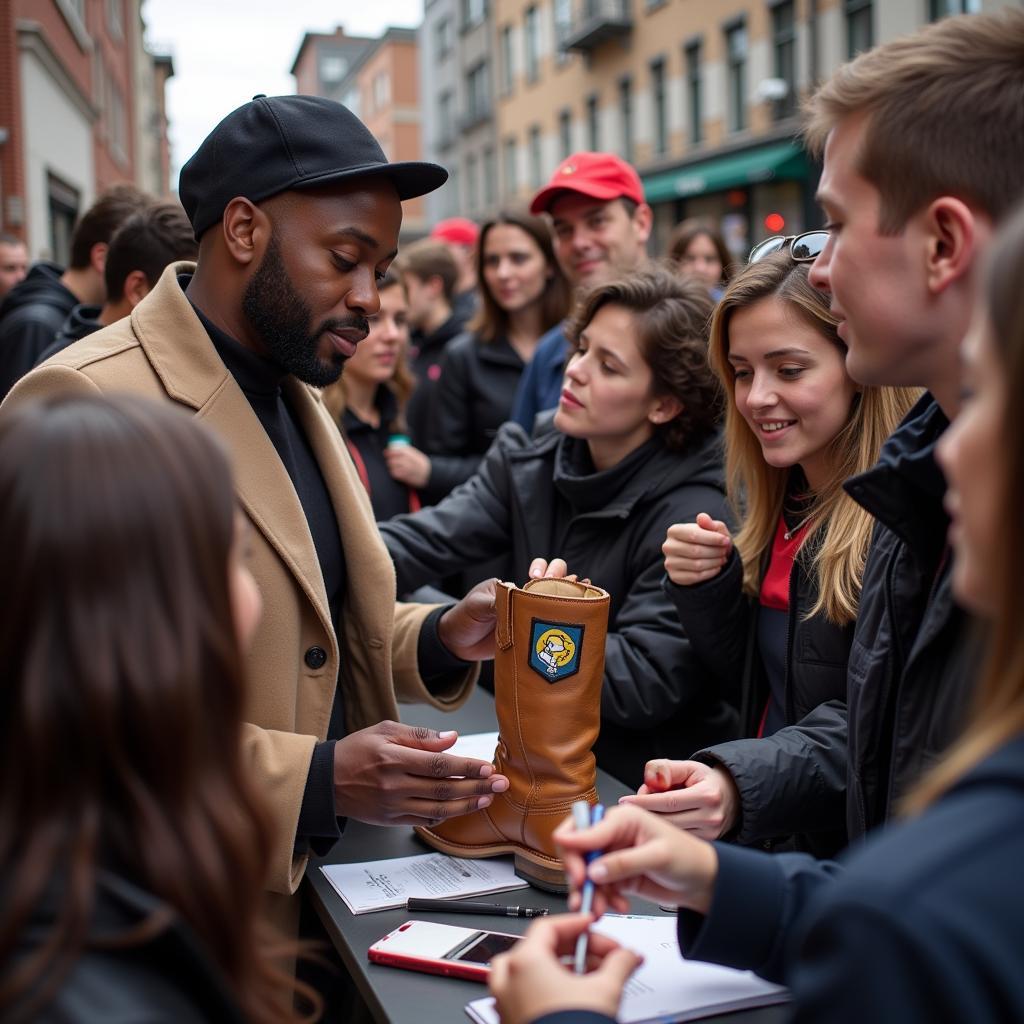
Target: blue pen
column 584, row 816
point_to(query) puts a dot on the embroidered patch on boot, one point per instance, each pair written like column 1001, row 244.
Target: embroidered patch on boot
column 555, row 649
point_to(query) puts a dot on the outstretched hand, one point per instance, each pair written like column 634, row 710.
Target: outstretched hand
column 467, row 628
column 530, row 980
column 695, row 552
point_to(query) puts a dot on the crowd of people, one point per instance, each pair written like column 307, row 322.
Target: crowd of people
column 236, row 430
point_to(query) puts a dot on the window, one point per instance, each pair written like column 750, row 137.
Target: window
column 473, row 12
column 565, row 133
column 694, row 99
column 381, row 90
column 942, row 8
column 332, row 68
column 626, row 117
column 452, row 190
column 490, row 177
column 562, row 15
column 593, row 125
column 445, row 119
column 536, row 163
column 784, row 41
column 507, row 66
column 736, row 51
column 510, row 157
column 443, row 37
column 472, row 195
column 478, row 100
column 860, row 34
column 532, row 44
column 660, row 108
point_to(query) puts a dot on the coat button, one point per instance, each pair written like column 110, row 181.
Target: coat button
column 316, row 657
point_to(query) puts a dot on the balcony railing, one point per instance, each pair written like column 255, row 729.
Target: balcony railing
column 596, row 21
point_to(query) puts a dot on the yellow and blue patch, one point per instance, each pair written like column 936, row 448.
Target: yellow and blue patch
column 555, row 649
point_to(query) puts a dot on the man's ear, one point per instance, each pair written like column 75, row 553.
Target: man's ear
column 136, row 287
column 436, row 286
column 246, row 230
column 98, row 257
column 952, row 231
column 643, row 221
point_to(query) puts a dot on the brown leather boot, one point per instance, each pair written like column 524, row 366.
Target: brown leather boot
column 548, row 668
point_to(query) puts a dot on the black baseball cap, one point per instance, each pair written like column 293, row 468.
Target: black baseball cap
column 276, row 143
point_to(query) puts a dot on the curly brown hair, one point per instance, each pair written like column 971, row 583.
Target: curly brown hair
column 672, row 316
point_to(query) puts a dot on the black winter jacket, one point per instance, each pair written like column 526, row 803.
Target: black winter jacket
column 426, row 352
column 167, row 979
column 81, row 322
column 909, row 672
column 722, row 623
column 473, row 399
column 543, row 498
column 31, row 314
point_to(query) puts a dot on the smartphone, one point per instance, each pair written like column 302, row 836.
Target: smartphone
column 441, row 949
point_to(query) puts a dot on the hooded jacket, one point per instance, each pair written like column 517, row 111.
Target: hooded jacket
column 543, row 498
column 31, row 314
column 909, row 672
column 82, row 321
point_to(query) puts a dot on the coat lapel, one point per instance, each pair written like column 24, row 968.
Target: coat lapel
column 181, row 353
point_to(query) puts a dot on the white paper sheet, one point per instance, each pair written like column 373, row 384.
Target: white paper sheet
column 478, row 744
column 666, row 987
column 385, row 884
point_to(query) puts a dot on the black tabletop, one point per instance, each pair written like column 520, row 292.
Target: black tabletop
column 400, row 996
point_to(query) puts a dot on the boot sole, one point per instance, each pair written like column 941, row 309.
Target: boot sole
column 542, row 872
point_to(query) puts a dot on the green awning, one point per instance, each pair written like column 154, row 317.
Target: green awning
column 775, row 162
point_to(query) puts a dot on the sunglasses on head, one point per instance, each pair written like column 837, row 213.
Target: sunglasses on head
column 802, row 248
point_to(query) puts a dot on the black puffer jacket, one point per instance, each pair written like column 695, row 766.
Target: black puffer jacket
column 31, row 314
column 426, row 352
column 909, row 674
column 543, row 498
column 473, row 399
column 166, row 979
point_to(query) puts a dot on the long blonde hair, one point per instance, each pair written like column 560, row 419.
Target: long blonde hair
column 998, row 707
column 839, row 527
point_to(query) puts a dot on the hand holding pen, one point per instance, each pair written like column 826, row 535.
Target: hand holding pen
column 637, row 854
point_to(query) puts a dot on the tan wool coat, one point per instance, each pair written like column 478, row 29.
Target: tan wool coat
column 163, row 351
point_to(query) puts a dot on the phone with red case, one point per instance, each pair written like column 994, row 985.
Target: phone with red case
column 441, row 949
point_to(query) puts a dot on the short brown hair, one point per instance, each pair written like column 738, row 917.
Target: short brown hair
column 491, row 320
column 148, row 241
column 426, row 259
column 102, row 219
column 945, row 113
column 671, row 315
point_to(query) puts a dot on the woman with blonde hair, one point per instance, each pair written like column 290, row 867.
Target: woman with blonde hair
column 770, row 611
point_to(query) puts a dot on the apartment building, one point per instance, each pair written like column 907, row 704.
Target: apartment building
column 378, row 80
column 702, row 96
column 81, row 108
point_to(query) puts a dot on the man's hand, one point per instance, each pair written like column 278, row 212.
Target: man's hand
column 467, row 628
column 394, row 774
column 643, row 855
column 693, row 796
column 407, row 465
column 695, row 552
column 529, row 981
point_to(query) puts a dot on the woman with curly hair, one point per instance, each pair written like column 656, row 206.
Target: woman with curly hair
column 632, row 448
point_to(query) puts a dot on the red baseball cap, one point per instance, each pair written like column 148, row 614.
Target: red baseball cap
column 457, row 230
column 597, row 175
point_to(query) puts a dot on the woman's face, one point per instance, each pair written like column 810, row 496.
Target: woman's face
column 791, row 386
column 515, row 272
column 246, row 600
column 701, row 259
column 376, row 356
column 969, row 455
column 606, row 392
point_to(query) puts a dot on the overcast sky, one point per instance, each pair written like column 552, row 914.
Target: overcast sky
column 226, row 51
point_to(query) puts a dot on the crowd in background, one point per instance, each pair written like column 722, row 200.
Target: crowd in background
column 752, row 454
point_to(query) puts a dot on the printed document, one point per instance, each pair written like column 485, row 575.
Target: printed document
column 666, row 987
column 385, row 884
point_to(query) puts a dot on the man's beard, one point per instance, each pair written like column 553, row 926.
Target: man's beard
column 278, row 314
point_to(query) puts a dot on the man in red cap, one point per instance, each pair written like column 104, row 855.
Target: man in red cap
column 601, row 225
column 460, row 235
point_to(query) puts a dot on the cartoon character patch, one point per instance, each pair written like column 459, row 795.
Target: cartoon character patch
column 555, row 649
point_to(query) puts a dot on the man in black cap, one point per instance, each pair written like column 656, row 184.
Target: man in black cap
column 297, row 214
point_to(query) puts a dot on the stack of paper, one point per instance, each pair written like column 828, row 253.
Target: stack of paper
column 385, row 884
column 666, row 987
